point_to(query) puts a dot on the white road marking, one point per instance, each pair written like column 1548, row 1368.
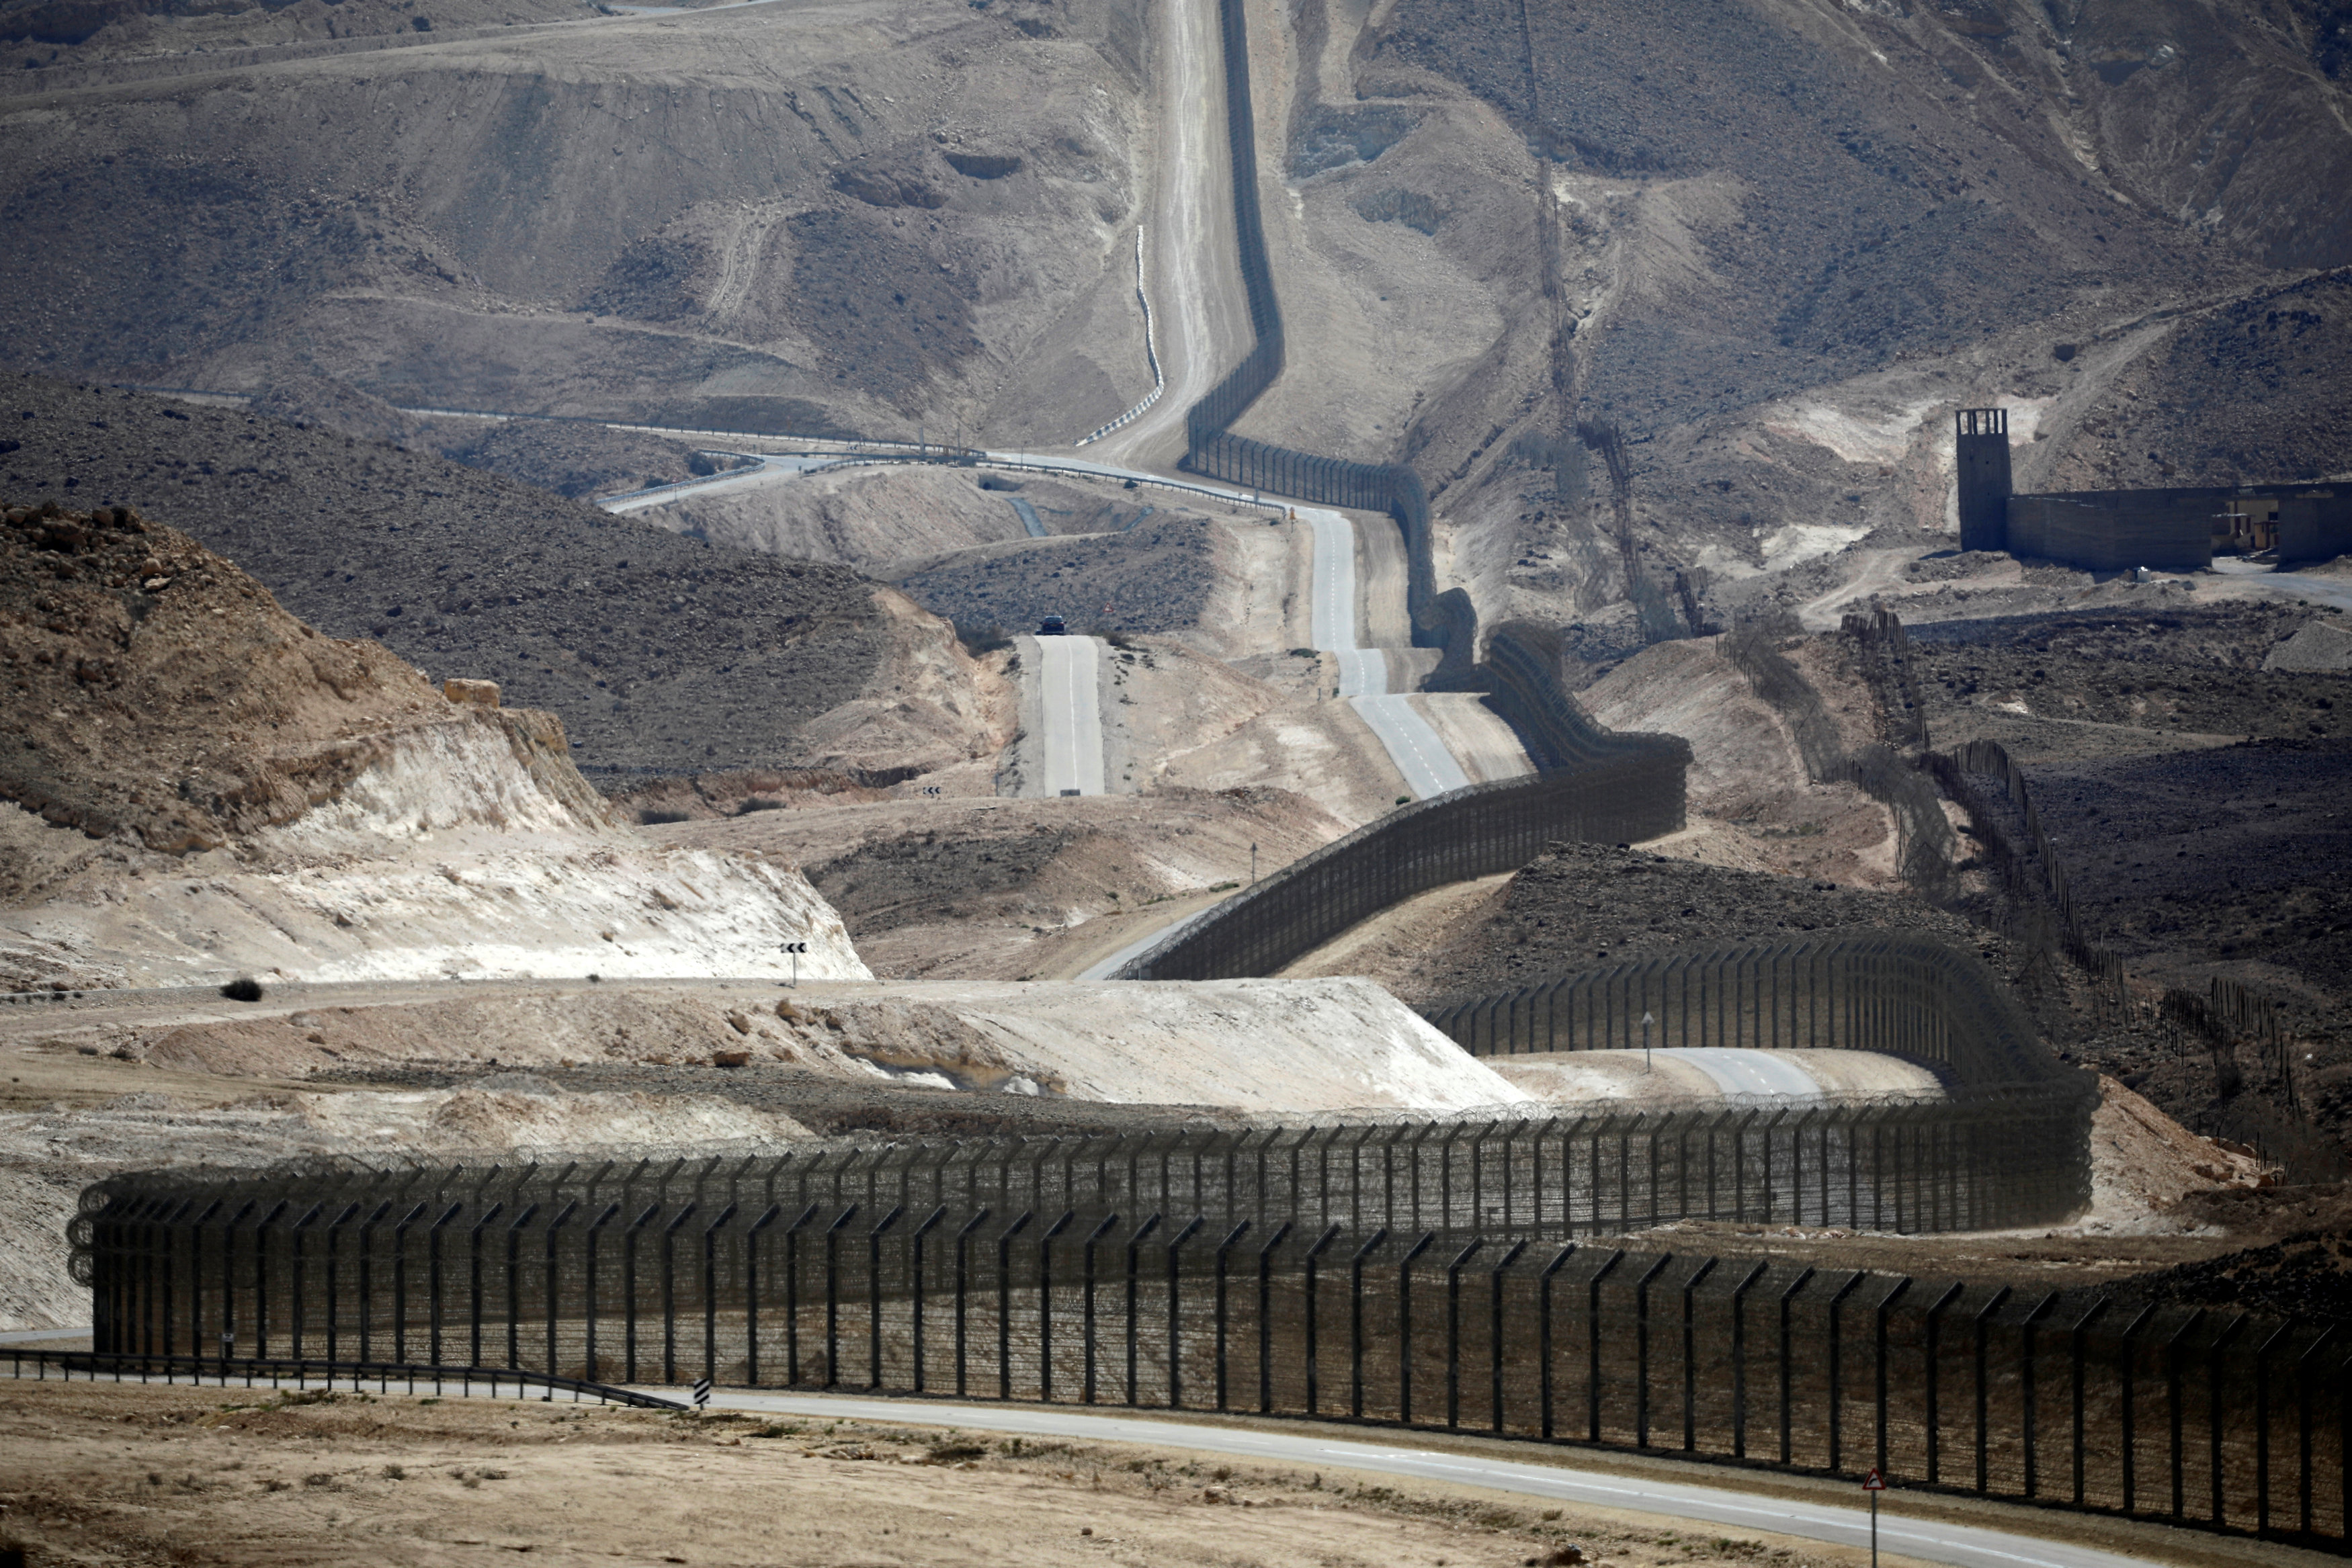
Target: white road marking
column 1742, row 1072
column 1073, row 712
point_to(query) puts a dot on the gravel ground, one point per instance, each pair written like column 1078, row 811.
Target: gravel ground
column 2174, row 668
column 1154, row 577
column 1585, row 906
column 660, row 654
column 829, row 1105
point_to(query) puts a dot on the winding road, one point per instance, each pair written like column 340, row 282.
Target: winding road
column 1936, row 1540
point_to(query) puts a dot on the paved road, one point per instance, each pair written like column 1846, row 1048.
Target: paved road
column 1429, row 768
column 1752, row 1072
column 769, row 470
column 1961, row 1545
column 1029, row 518
column 1069, row 671
column 1103, row 970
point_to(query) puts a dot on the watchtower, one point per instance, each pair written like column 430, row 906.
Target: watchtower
column 1983, row 464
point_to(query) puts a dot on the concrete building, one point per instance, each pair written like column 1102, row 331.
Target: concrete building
column 2177, row 530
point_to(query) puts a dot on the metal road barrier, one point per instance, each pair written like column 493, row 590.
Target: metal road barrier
column 251, row 1372
column 895, row 1279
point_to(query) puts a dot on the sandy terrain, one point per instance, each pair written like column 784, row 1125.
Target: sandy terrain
column 995, row 888
column 1587, row 1078
column 232, row 1476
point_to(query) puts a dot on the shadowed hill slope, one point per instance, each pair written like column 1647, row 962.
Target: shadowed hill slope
column 662, row 653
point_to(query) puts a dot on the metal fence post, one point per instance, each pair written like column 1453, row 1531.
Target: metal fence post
column 2172, row 1403
column 2305, row 1379
column 1495, row 1329
column 1044, row 1304
column 1224, row 1253
column 1134, row 1243
column 752, row 1238
column 1593, row 1343
column 1642, row 1349
column 1310, row 1262
column 962, row 1251
column 874, row 1295
column 668, row 1287
column 1453, row 1332
column 514, row 1286
column 1885, row 1305
column 1087, row 1255
column 1788, row 1296
column 1935, row 1375
column 1739, row 1359
column 2214, row 1393
column 1404, row 1324
column 2263, row 1424
column 1175, row 1320
column 1980, row 1323
column 2028, row 1415
column 1690, row 1353
column 554, row 1296
column 1355, row 1322
column 1543, row 1334
column 915, row 1287
column 2124, row 1359
column 1004, row 1301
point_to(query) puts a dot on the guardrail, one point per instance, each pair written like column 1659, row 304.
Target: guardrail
column 256, row 1372
column 1151, row 356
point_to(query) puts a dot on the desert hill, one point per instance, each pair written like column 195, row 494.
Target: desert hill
column 200, row 784
column 777, row 217
column 664, row 654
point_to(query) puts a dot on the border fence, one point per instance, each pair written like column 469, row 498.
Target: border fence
column 2007, row 1143
column 1592, row 783
column 2213, row 1417
column 1476, row 831
column 1446, row 620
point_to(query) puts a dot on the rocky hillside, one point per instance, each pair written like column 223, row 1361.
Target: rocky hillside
column 158, row 693
column 1713, row 283
column 196, row 784
column 664, row 654
column 855, row 219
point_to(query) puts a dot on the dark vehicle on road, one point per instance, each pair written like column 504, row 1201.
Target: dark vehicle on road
column 1053, row 626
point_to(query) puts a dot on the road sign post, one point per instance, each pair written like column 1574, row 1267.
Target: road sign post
column 796, row 949
column 1874, row 1483
column 702, row 1394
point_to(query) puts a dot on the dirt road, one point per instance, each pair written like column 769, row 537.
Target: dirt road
column 1193, row 269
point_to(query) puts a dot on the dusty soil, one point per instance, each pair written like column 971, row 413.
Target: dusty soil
column 227, row 1476
column 659, row 653
column 2177, row 667
column 576, row 461
column 1586, row 906
column 896, row 521
column 867, row 216
column 1154, row 577
column 60, row 37
column 161, row 695
column 994, row 888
